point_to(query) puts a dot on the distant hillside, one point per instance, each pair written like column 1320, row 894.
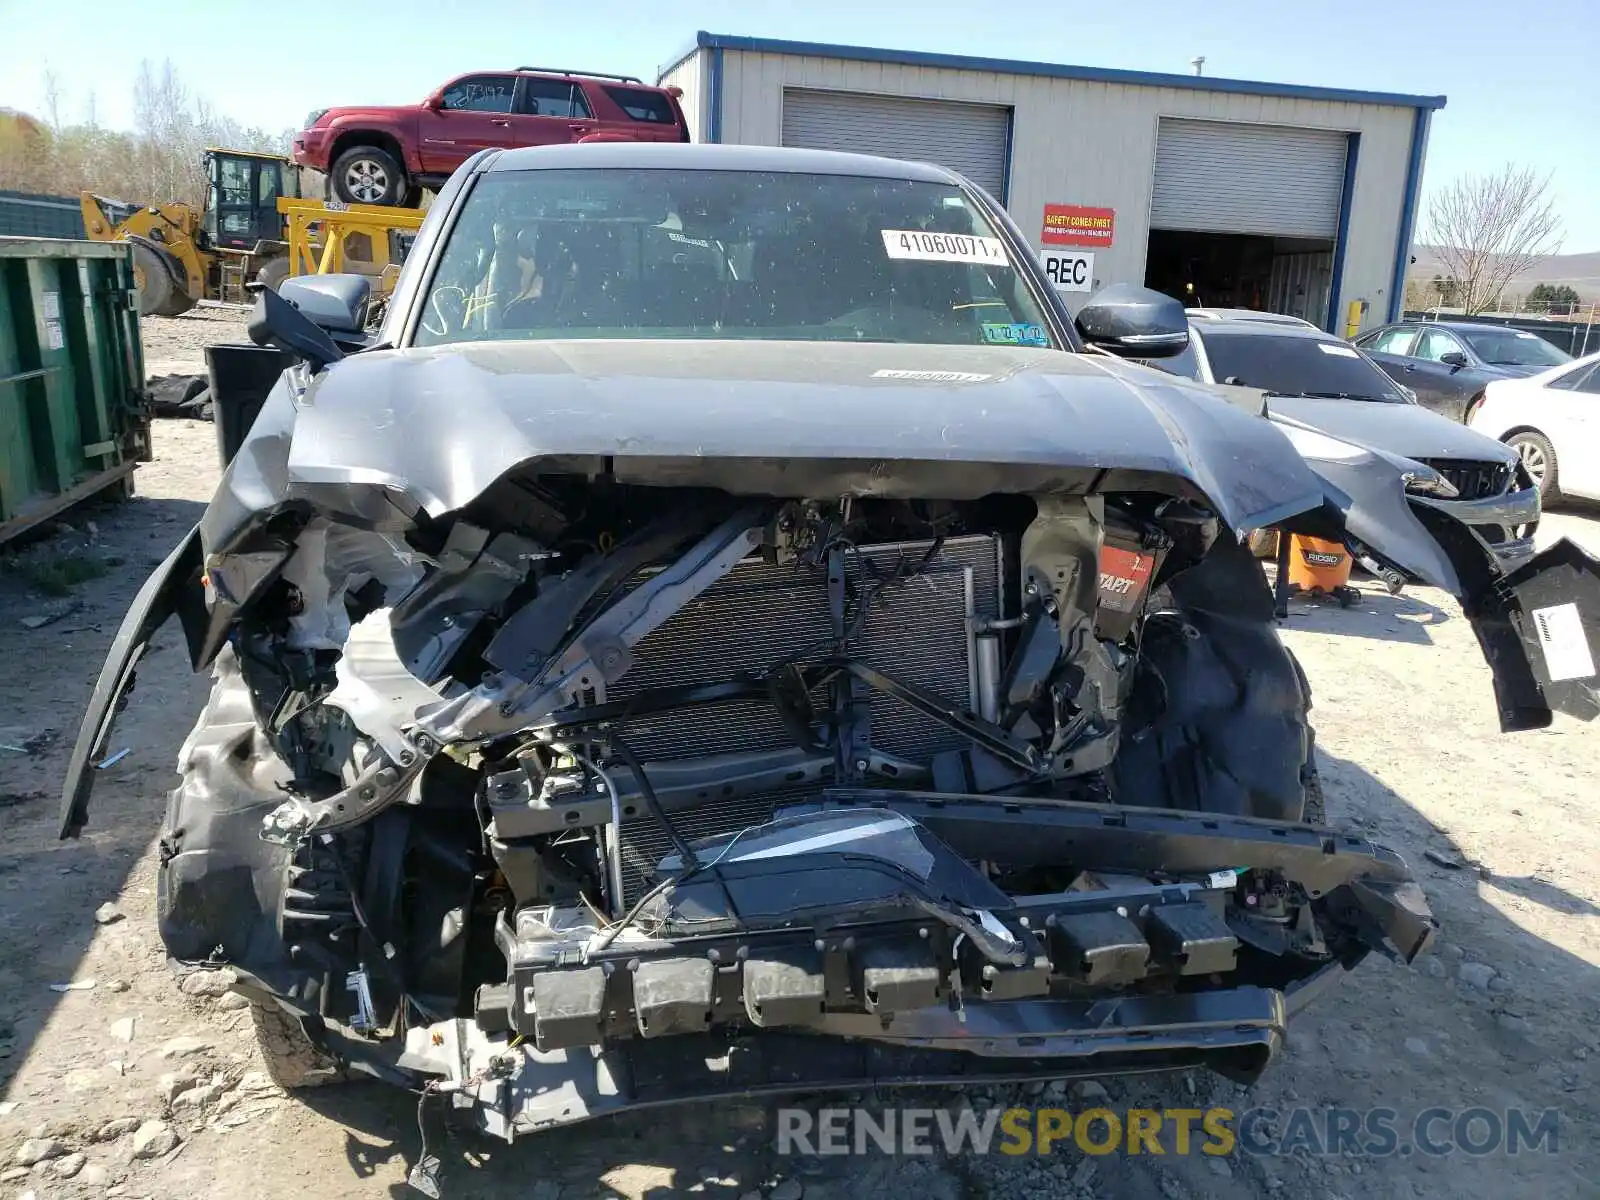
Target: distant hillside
column 1581, row 272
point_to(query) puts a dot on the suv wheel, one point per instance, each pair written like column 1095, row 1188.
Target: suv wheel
column 368, row 175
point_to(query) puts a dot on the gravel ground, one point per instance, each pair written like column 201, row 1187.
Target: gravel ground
column 137, row 1086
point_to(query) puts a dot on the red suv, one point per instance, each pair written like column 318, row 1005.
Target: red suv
column 387, row 154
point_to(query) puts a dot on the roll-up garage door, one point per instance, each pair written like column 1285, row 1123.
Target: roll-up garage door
column 970, row 138
column 1273, row 180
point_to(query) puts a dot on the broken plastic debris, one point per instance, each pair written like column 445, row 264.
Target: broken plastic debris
column 424, row 1177
column 114, row 759
column 77, row 985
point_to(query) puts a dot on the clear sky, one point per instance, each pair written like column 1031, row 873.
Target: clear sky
column 1520, row 77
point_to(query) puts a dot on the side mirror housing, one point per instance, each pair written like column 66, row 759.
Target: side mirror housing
column 275, row 321
column 1134, row 322
column 434, row 102
column 337, row 303
column 1455, row 360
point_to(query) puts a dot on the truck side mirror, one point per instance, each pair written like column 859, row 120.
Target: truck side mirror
column 277, row 322
column 1134, row 322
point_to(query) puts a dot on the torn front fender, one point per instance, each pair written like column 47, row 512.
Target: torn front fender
column 1549, row 605
column 173, row 589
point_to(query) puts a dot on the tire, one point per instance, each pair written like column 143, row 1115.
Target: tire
column 153, row 282
column 1533, row 447
column 273, row 272
column 292, row 1062
column 180, row 303
column 368, row 175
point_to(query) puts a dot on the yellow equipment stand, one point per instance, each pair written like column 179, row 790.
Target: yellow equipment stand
column 330, row 237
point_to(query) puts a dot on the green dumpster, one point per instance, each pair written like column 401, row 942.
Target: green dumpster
column 73, row 417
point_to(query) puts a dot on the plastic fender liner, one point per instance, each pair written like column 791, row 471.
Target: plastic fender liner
column 172, row 589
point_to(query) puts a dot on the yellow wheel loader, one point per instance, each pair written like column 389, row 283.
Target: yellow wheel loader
column 182, row 256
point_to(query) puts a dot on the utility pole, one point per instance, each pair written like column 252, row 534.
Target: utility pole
column 1199, row 64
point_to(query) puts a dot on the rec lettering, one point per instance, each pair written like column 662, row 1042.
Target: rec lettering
column 1067, row 272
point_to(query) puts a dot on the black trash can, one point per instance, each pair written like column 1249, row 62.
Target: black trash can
column 241, row 376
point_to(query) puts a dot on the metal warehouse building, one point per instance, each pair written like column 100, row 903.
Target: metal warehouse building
column 1224, row 192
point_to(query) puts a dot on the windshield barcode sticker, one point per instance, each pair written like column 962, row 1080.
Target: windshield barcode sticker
column 932, row 376
column 944, row 247
column 1337, row 350
column 1565, row 645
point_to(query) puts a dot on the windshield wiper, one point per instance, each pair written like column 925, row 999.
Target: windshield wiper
column 1340, row 396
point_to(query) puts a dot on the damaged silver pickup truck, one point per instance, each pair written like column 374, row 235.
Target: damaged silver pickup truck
column 732, row 632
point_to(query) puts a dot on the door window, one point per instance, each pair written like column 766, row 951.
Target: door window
column 1390, row 341
column 1435, row 344
column 267, row 186
column 555, row 98
column 481, row 93
column 235, row 182
column 1580, row 379
column 643, row 105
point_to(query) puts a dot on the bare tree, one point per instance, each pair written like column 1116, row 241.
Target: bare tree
column 160, row 161
column 1488, row 229
column 53, row 98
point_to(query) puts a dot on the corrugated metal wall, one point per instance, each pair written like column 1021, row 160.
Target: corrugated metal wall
column 23, row 214
column 1236, row 177
column 689, row 74
column 970, row 138
column 1092, row 143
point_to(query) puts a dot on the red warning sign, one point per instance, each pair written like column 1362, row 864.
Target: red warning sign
column 1078, row 225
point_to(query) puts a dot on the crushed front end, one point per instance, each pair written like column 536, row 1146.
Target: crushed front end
column 567, row 768
column 687, row 795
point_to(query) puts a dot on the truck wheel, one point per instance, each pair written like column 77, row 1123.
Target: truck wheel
column 368, row 175
column 292, row 1062
column 152, row 281
column 273, row 272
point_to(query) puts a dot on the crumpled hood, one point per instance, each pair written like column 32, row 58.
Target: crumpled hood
column 1404, row 429
column 436, row 427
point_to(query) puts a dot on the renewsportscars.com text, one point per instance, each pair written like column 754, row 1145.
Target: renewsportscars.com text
column 1373, row 1132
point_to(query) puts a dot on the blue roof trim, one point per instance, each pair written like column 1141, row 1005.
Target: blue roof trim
column 1005, row 66
column 1408, row 215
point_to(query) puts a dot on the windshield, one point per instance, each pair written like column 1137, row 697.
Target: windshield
column 725, row 254
column 1513, row 348
column 1297, row 366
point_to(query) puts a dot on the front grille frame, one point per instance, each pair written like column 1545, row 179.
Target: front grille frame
column 1474, row 479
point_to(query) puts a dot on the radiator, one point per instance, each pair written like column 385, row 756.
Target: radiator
column 760, row 613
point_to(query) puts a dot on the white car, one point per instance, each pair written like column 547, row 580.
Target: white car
column 1553, row 421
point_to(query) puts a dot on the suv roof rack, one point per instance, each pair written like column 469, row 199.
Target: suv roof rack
column 584, row 74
